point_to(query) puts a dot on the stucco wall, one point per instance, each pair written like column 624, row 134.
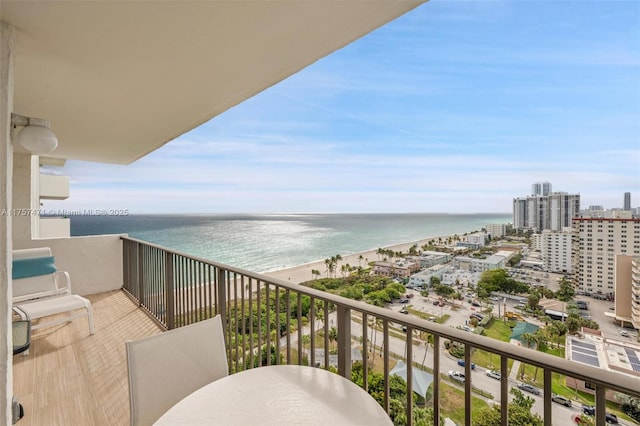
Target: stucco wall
column 94, row 262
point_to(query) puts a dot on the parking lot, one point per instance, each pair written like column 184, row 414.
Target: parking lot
column 459, row 311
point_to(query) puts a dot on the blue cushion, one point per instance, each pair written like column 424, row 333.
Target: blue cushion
column 33, row 266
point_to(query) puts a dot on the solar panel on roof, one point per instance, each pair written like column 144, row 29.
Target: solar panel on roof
column 633, row 359
column 585, row 359
column 585, row 352
column 632, row 355
column 583, row 345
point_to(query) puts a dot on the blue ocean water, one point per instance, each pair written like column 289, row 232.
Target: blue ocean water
column 268, row 242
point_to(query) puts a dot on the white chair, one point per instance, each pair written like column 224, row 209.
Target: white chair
column 165, row 368
column 41, row 291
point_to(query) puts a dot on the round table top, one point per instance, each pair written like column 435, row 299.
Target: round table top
column 277, row 395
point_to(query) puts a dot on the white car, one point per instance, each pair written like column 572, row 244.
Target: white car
column 456, row 375
column 624, row 333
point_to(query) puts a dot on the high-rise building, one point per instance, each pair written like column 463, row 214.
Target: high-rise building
column 497, row 230
column 541, row 188
column 540, row 212
column 595, row 244
column 627, row 287
column 520, row 217
column 556, row 250
column 627, row 201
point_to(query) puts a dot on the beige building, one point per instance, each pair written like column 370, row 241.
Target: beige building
column 627, row 305
column 595, row 244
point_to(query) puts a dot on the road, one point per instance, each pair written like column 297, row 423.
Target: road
column 457, row 317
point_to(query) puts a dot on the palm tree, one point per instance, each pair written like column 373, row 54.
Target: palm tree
column 333, row 335
column 315, row 273
column 428, row 341
column 344, row 269
column 360, row 259
column 306, row 340
column 528, row 339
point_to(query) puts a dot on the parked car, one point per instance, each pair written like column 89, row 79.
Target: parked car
column 476, row 316
column 467, row 328
column 590, row 410
column 561, row 400
column 457, row 376
column 404, row 300
column 461, row 364
column 432, row 319
column 529, row 388
column 435, row 302
column 494, row 374
column 624, row 333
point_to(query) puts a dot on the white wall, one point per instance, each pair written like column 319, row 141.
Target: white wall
column 7, row 57
column 94, row 262
column 25, row 197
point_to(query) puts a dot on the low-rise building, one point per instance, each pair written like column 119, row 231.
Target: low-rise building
column 423, row 278
column 399, row 269
column 429, row 258
column 593, row 349
column 465, row 278
column 473, row 264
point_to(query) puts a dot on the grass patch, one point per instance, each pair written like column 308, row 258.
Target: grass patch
column 452, row 403
column 499, row 330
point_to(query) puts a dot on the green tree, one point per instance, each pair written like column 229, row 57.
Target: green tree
column 573, row 324
column 444, row 290
column 533, row 299
column 519, row 412
column 333, row 335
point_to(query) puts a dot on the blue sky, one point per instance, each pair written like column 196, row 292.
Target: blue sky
column 457, row 106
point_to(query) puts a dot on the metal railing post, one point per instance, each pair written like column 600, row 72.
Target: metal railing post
column 344, row 341
column 169, row 292
column 221, row 299
column 140, row 275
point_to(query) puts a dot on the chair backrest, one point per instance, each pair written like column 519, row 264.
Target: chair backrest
column 34, row 275
column 165, row 368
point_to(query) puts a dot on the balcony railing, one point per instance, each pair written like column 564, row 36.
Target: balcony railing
column 270, row 321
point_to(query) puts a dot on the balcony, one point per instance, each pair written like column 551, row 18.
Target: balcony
column 54, row 227
column 53, row 187
column 73, row 378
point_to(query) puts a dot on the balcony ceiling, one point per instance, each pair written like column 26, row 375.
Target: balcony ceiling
column 120, row 79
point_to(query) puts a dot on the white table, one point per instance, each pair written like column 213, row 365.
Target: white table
column 278, row 395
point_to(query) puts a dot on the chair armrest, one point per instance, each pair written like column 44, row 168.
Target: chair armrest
column 40, row 295
column 63, row 282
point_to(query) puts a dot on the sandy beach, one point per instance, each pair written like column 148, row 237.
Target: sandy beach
column 302, row 273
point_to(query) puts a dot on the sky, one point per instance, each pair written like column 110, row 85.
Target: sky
column 457, row 106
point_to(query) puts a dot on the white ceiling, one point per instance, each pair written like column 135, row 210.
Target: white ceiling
column 118, row 79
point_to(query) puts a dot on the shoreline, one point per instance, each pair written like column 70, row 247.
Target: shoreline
column 301, row 273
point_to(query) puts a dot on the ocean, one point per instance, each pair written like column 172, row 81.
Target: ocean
column 268, row 242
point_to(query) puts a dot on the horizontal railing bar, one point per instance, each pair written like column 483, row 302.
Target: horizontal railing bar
column 596, row 376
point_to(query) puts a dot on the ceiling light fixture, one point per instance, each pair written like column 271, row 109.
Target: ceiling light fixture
column 36, row 135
